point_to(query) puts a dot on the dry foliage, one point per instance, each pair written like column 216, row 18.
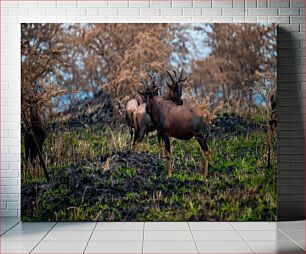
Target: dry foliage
column 239, row 52
column 41, row 56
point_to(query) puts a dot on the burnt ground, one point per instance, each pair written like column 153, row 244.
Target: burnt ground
column 97, row 111
column 234, row 125
column 100, row 180
column 100, row 112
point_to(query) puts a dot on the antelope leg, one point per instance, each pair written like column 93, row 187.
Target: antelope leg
column 168, row 155
column 161, row 151
column 205, row 153
column 136, row 147
column 206, row 157
column 131, row 133
column 169, row 164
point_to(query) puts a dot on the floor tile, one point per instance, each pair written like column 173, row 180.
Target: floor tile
column 107, row 236
column 273, row 235
column 114, row 247
column 69, row 236
column 120, row 226
column 167, row 236
column 33, row 226
column 276, row 247
column 169, row 247
column 222, row 226
column 60, row 247
column 69, row 226
column 297, row 236
column 17, row 247
column 22, row 236
column 166, row 226
column 253, row 225
column 291, row 225
column 216, row 236
column 223, row 247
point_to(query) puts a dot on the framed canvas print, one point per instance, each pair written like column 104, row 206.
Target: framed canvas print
column 148, row 122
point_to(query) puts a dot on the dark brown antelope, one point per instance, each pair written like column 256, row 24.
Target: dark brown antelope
column 181, row 122
column 38, row 130
column 34, row 138
column 142, row 121
column 175, row 88
column 138, row 121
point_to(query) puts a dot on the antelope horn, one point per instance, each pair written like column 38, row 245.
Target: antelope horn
column 151, row 75
column 181, row 75
column 144, row 83
column 170, row 76
column 174, row 73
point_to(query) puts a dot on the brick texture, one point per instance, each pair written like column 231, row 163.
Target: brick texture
column 290, row 14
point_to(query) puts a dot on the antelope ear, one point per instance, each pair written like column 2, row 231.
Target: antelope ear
column 140, row 92
column 169, row 85
column 181, row 83
column 155, row 91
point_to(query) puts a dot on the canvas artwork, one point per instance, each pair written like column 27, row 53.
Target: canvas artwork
column 148, row 122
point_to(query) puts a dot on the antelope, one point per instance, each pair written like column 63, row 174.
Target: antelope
column 177, row 121
column 139, row 123
column 130, row 111
column 142, row 121
column 34, row 137
column 38, row 129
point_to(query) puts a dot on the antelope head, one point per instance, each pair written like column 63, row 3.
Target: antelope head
column 150, row 90
column 176, row 86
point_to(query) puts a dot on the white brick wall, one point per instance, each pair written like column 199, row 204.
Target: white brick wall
column 289, row 13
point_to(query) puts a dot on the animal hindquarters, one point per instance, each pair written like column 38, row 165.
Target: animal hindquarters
column 129, row 116
column 143, row 124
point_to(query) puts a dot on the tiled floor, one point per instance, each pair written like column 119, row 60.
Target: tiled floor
column 152, row 237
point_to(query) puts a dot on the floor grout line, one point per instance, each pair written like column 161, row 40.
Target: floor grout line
column 90, row 237
column 290, row 238
column 43, row 237
column 273, row 225
column 193, row 237
column 232, row 225
column 143, row 232
column 247, row 243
